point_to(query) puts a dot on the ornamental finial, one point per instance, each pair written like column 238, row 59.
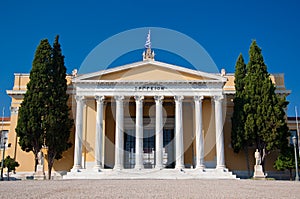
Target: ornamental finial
column 148, row 54
column 148, row 41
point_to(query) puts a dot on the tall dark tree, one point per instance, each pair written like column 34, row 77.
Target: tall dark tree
column 57, row 120
column 237, row 133
column 239, row 140
column 30, row 129
column 265, row 122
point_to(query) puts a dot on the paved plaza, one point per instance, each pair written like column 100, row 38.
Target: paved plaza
column 150, row 189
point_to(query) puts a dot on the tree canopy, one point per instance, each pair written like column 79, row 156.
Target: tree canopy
column 238, row 138
column 10, row 164
column 30, row 127
column 44, row 113
column 57, row 120
column 286, row 160
column 264, row 123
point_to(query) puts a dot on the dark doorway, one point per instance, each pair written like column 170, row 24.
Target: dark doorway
column 149, row 148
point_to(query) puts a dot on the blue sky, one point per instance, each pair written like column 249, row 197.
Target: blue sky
column 223, row 28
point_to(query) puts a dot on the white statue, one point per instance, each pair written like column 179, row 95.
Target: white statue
column 257, row 157
column 40, row 157
column 74, row 72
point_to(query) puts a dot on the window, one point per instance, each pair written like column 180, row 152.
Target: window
column 4, row 136
column 293, row 133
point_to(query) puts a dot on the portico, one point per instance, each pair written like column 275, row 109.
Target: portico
column 127, row 100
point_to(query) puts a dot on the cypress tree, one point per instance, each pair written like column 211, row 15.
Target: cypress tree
column 238, row 138
column 237, row 133
column 30, row 127
column 265, row 124
column 57, row 119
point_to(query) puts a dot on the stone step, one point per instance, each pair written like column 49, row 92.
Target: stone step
column 151, row 174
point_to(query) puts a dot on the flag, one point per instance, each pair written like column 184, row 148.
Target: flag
column 148, row 41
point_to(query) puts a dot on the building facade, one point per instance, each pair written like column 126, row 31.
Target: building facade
column 146, row 116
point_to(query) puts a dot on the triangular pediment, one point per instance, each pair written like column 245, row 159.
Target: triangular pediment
column 150, row 71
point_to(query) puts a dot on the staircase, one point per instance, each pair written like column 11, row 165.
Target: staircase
column 152, row 174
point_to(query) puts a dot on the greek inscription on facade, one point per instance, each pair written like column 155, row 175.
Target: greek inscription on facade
column 149, row 88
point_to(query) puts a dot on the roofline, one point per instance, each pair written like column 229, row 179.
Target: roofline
column 147, row 81
column 293, row 118
column 157, row 63
column 5, row 119
column 287, row 92
column 28, row 74
column 21, row 74
column 272, row 74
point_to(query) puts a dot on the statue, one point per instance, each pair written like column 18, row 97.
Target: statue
column 40, row 174
column 257, row 157
column 74, row 73
column 40, row 157
column 258, row 169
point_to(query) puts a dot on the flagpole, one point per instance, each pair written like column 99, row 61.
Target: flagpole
column 2, row 122
column 2, row 142
column 297, row 124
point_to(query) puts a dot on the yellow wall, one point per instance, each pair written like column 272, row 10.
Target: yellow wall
column 109, row 150
column 277, row 79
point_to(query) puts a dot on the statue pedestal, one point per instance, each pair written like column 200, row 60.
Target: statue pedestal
column 39, row 174
column 258, row 172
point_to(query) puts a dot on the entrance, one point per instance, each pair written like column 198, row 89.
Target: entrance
column 149, row 149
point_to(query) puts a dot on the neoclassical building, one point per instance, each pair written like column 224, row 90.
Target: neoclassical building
column 146, row 119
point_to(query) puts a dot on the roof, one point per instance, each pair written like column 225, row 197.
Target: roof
column 153, row 63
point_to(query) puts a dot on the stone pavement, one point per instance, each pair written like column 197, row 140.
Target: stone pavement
column 150, row 189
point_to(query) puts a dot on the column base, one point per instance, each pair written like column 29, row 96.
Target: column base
column 179, row 167
column 221, row 168
column 97, row 168
column 118, row 168
column 200, row 167
column 76, row 168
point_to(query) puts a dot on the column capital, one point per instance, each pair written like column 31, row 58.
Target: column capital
column 139, row 98
column 198, row 98
column 158, row 98
column 119, row 98
column 79, row 98
column 218, row 98
column 178, row 98
column 99, row 98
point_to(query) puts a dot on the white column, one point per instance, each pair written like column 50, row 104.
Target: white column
column 159, row 132
column 78, row 134
column 179, row 133
column 99, row 133
column 198, row 133
column 219, row 132
column 119, row 140
column 139, row 132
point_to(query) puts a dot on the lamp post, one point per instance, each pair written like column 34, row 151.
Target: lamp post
column 296, row 161
column 3, row 154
